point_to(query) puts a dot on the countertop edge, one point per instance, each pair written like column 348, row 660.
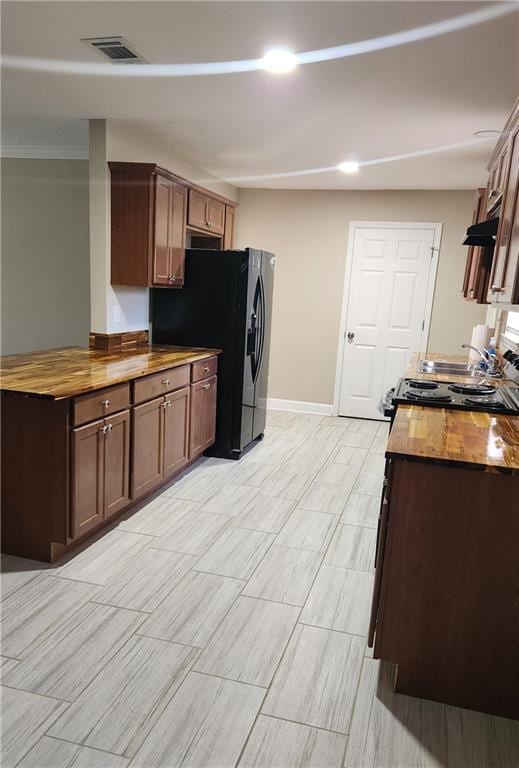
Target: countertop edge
column 496, row 469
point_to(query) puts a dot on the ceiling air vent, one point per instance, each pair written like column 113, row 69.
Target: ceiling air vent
column 115, row 48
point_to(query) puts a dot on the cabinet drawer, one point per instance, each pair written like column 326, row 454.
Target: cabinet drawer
column 100, row 403
column 204, row 369
column 159, row 383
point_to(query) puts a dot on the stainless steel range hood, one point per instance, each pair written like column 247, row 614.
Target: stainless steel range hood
column 483, row 234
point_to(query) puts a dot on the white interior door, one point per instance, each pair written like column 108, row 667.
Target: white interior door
column 391, row 281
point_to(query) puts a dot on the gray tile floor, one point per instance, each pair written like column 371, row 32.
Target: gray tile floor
column 224, row 624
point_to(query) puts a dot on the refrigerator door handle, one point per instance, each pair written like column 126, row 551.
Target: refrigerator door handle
column 261, row 324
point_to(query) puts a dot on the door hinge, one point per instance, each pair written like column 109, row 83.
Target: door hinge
column 423, row 325
column 433, row 249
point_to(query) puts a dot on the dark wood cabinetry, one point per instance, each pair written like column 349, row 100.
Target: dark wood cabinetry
column 151, row 210
column 479, row 260
column 100, row 471
column 492, row 275
column 203, row 416
column 71, row 464
column 206, row 213
column 148, row 216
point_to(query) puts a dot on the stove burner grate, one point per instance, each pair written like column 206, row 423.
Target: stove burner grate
column 472, row 389
column 428, row 396
column 417, row 384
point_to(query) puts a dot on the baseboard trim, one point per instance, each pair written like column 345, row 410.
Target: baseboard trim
column 299, row 406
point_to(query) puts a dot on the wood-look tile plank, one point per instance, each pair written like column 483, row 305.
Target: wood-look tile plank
column 146, row 580
column 205, row 725
column 356, row 439
column 349, row 455
column 194, row 533
column 118, row 709
column 6, row 665
column 193, row 609
column 196, row 485
column 65, row 663
column 392, row 729
column 231, row 499
column 343, row 475
column 287, row 484
column 307, row 530
column 35, row 610
column 249, row 473
column 52, row 753
column 340, row 599
column 99, row 561
column 285, row 575
column 265, row 513
column 317, row 679
column 361, row 509
column 157, row 517
column 371, row 477
column 236, row 553
column 17, row 571
column 321, row 497
column 352, row 546
column 277, row 743
column 249, row 642
column 25, row 718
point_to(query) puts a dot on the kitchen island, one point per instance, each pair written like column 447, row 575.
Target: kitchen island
column 446, row 598
column 86, row 434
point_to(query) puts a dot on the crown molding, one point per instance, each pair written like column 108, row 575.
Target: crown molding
column 44, row 152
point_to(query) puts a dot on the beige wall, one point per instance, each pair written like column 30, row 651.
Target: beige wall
column 308, row 232
column 45, row 254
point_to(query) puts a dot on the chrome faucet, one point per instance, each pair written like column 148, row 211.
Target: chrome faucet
column 489, row 363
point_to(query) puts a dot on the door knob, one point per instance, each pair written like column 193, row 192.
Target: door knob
column 350, row 335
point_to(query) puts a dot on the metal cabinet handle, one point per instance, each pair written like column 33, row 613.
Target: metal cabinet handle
column 167, row 404
column 172, row 278
column 496, row 289
column 165, row 382
column 206, row 369
column 206, row 386
column 109, row 427
column 105, row 403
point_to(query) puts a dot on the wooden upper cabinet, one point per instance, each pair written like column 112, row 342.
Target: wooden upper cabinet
column 478, row 264
column 150, row 209
column 230, row 219
column 206, row 213
column 504, row 281
column 497, row 179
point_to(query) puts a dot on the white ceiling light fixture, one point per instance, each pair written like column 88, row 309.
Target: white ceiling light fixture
column 349, row 167
column 489, row 133
column 279, row 61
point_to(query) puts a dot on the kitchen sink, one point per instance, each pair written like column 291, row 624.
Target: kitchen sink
column 456, row 369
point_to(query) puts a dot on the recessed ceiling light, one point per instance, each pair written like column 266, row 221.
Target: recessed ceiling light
column 279, row 61
column 348, row 167
column 490, row 132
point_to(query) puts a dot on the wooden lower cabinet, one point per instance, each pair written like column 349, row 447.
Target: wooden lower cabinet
column 147, row 446
column 100, row 471
column 176, row 431
column 202, row 428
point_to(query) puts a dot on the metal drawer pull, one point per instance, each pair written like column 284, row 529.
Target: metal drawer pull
column 206, row 369
column 106, row 403
column 109, row 427
column 102, row 430
column 206, row 386
column 165, row 382
column 167, row 404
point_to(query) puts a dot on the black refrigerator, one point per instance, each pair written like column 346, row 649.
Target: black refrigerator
column 226, row 302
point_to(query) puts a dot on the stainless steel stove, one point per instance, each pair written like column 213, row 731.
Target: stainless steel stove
column 480, row 396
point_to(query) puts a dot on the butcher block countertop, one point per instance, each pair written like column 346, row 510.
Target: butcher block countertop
column 70, row 371
column 469, row 438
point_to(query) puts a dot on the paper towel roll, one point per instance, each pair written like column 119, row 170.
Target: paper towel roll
column 480, row 338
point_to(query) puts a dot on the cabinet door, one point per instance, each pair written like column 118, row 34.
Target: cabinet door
column 87, row 477
column 176, row 431
column 202, row 426
column 116, row 463
column 230, row 217
column 215, row 216
column 504, row 281
column 197, row 210
column 475, row 261
column 178, row 236
column 147, row 441
column 162, row 229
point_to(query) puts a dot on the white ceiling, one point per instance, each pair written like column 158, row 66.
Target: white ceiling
column 397, row 101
